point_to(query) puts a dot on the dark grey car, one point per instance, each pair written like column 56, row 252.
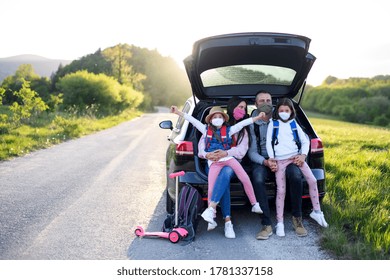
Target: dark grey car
column 241, row 64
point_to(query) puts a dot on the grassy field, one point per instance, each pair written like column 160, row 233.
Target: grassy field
column 51, row 129
column 357, row 204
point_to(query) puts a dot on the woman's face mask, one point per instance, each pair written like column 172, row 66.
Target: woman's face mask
column 238, row 113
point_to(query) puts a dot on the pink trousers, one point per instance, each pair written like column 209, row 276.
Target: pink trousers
column 241, row 174
column 281, row 186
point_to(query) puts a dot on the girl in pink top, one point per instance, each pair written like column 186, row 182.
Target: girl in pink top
column 217, row 119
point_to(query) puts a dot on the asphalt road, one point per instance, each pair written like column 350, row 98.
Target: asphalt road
column 82, row 200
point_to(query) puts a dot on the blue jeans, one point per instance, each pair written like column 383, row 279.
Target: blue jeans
column 221, row 191
column 260, row 173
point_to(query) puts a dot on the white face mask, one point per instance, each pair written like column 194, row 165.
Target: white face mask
column 217, row 122
column 284, row 116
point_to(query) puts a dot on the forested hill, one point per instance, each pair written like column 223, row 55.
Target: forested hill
column 360, row 100
column 160, row 79
column 43, row 66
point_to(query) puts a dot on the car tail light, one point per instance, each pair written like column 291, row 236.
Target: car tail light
column 316, row 146
column 184, row 148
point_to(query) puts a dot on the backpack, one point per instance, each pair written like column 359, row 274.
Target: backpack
column 189, row 208
column 275, row 132
column 224, row 138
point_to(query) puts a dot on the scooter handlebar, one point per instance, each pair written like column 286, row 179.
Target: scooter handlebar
column 176, row 174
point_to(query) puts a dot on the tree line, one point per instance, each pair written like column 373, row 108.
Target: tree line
column 125, row 76
column 359, row 100
column 108, row 81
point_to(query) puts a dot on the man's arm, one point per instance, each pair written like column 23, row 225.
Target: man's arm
column 253, row 152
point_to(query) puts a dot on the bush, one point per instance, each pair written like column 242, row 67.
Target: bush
column 70, row 128
column 83, row 90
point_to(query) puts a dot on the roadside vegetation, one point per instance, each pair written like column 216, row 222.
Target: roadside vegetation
column 52, row 128
column 358, row 100
column 357, row 203
column 92, row 93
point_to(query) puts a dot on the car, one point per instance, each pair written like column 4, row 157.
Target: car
column 240, row 64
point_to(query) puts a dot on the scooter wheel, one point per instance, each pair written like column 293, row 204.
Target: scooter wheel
column 174, row 236
column 138, row 232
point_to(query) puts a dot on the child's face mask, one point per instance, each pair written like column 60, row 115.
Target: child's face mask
column 217, row 122
column 284, row 116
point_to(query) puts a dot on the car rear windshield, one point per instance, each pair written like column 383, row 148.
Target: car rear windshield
column 247, row 74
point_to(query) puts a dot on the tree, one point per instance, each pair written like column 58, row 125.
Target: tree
column 166, row 83
column 14, row 83
column 329, row 80
column 31, row 104
column 2, row 91
column 119, row 56
column 93, row 63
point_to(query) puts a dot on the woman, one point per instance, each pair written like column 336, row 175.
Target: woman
column 237, row 111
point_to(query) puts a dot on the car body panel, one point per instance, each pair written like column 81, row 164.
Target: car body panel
column 243, row 63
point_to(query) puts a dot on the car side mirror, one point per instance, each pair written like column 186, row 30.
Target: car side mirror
column 166, row 125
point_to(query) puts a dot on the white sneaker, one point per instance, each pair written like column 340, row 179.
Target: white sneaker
column 256, row 208
column 211, row 226
column 208, row 215
column 229, row 232
column 319, row 218
column 280, row 229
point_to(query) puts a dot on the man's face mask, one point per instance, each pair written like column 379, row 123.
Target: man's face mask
column 266, row 108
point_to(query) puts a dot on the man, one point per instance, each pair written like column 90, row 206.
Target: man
column 263, row 168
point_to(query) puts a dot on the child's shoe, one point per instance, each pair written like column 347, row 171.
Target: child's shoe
column 208, row 215
column 256, row 208
column 229, row 232
column 211, row 226
column 280, row 229
column 319, row 218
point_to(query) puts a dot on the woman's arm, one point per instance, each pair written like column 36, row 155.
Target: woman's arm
column 240, row 125
column 240, row 150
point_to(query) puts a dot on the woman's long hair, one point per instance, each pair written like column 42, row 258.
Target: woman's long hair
column 233, row 103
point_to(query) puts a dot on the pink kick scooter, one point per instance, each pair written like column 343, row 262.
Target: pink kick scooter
column 177, row 233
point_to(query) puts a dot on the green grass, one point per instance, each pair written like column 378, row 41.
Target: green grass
column 357, row 204
column 51, row 129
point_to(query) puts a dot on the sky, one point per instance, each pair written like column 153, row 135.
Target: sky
column 349, row 38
